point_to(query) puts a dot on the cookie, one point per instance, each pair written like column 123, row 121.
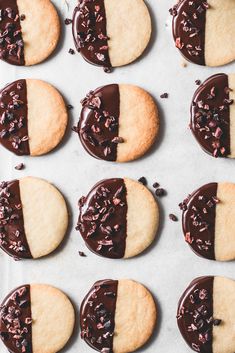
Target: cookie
column 213, row 115
column 118, row 218
column 109, row 33
column 111, row 316
column 208, row 221
column 36, row 318
column 118, row 122
column 30, row 33
column 206, row 315
column 33, row 117
column 33, row 218
column 204, row 31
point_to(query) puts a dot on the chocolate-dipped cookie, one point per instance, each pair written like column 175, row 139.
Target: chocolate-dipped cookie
column 208, row 216
column 204, row 31
column 118, row 218
column 33, row 117
column 213, row 115
column 29, row 31
column 206, row 314
column 118, row 122
column 29, row 320
column 111, row 316
column 33, row 218
column 109, row 33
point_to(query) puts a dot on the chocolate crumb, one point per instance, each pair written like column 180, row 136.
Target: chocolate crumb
column 82, row 254
column 156, row 185
column 164, row 95
column 173, row 217
column 143, row 181
column 216, row 322
column 68, row 21
column 198, row 82
column 22, row 17
column 160, row 192
column 20, row 166
column 71, row 51
column 69, row 107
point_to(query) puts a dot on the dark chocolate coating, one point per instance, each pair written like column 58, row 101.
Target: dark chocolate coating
column 103, row 218
column 97, row 315
column 89, row 32
column 198, row 220
column 14, row 118
column 12, row 234
column 99, row 122
column 188, row 27
column 210, row 116
column 16, row 321
column 195, row 314
column 11, row 42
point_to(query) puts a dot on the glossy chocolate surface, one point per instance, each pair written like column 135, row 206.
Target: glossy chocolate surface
column 188, row 26
column 11, row 42
column 103, row 218
column 16, row 321
column 12, row 234
column 210, row 116
column 89, row 32
column 97, row 315
column 14, row 118
column 195, row 314
column 99, row 122
column 198, row 220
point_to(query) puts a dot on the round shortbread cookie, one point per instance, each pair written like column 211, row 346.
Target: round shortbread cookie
column 213, row 115
column 31, row 31
column 33, row 217
column 204, row 31
column 111, row 316
column 118, row 218
column 110, row 33
column 208, row 221
column 206, row 315
column 33, row 117
column 36, row 318
column 118, row 122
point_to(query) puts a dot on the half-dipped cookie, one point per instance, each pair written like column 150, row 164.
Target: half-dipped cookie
column 33, row 117
column 204, row 31
column 206, row 314
column 109, row 33
column 36, row 318
column 111, row 316
column 213, row 115
column 29, row 30
column 33, row 218
column 118, row 218
column 208, row 221
column 118, row 122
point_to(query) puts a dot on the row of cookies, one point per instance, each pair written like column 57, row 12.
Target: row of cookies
column 39, row 318
column 111, row 34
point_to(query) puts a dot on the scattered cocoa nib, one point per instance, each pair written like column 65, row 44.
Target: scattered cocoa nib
column 198, row 82
column 20, row 166
column 217, row 322
column 68, row 21
column 71, row 51
column 143, row 181
column 164, row 95
column 156, row 185
column 160, row 192
column 82, row 254
column 22, row 17
column 173, row 217
column 69, row 107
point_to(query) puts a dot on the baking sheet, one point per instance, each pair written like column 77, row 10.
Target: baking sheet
column 176, row 162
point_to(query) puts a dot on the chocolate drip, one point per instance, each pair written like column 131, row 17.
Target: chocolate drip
column 13, row 118
column 210, row 116
column 99, row 122
column 97, row 315
column 11, row 42
column 90, row 34
column 188, row 26
column 103, row 218
column 195, row 314
column 12, row 234
column 198, row 220
column 16, row 321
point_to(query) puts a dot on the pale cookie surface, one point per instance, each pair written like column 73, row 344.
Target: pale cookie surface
column 39, row 214
column 127, row 226
column 35, row 31
column 212, row 329
column 120, row 31
column 114, row 321
column 33, row 117
column 208, row 216
column 45, row 319
column 118, row 122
